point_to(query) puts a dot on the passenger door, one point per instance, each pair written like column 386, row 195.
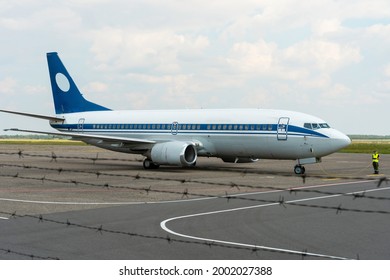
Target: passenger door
column 282, row 129
column 80, row 125
column 174, row 128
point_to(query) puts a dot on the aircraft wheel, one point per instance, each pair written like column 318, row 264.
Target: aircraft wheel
column 299, row 169
column 148, row 164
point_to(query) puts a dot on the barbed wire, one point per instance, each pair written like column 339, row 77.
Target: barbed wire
column 53, row 158
column 32, row 256
column 230, row 185
column 101, row 230
column 185, row 194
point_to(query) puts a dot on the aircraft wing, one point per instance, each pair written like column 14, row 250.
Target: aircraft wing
column 84, row 136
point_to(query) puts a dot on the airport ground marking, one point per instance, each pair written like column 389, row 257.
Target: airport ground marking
column 171, row 201
column 164, row 223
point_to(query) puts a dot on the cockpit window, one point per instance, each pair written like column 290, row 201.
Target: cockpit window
column 308, row 125
column 315, row 126
column 324, row 125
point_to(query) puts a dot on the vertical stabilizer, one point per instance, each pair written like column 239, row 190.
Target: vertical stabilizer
column 66, row 95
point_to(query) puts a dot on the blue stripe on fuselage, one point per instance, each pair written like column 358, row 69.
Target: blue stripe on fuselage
column 232, row 129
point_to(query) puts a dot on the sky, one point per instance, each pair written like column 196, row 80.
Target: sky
column 326, row 58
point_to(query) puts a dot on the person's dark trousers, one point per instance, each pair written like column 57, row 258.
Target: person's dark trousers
column 376, row 167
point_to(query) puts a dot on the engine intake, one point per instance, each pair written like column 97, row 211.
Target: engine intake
column 174, row 153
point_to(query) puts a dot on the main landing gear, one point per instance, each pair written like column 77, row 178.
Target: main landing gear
column 148, row 164
column 299, row 169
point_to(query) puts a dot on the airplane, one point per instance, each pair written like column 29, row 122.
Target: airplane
column 179, row 137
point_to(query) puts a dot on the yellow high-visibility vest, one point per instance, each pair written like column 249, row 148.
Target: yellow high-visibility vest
column 375, row 157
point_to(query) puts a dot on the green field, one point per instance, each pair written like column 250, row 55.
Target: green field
column 368, row 146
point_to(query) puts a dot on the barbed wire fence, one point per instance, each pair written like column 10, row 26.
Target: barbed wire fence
column 183, row 194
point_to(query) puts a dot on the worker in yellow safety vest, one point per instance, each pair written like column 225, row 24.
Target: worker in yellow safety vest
column 375, row 162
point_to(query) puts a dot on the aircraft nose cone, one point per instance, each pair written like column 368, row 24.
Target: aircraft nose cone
column 340, row 140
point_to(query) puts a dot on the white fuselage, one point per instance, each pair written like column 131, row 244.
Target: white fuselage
column 230, row 134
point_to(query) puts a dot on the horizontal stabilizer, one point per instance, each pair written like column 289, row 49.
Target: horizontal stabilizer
column 50, row 118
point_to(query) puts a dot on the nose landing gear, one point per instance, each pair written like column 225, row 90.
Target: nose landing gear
column 299, row 169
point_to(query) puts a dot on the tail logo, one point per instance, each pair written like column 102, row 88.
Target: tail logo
column 62, row 82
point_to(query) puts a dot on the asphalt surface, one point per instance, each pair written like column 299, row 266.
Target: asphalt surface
column 80, row 202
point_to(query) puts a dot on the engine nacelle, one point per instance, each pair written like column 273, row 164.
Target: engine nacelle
column 174, row 153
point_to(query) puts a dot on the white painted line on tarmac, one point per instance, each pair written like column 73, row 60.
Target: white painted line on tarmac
column 163, row 224
column 100, row 203
column 170, row 201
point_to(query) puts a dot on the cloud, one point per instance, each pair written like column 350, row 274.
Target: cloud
column 53, row 18
column 173, row 54
column 124, row 48
column 387, row 70
column 323, row 55
column 253, row 57
column 324, row 27
column 95, row 87
column 8, row 86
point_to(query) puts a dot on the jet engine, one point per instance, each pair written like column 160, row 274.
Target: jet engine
column 174, row 153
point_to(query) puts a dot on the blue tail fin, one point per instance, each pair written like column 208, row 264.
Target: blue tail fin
column 66, row 95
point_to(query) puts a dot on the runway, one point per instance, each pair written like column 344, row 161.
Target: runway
column 69, row 206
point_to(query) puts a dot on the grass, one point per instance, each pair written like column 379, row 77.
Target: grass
column 368, row 146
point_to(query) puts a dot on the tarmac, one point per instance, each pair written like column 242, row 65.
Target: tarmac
column 81, row 202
